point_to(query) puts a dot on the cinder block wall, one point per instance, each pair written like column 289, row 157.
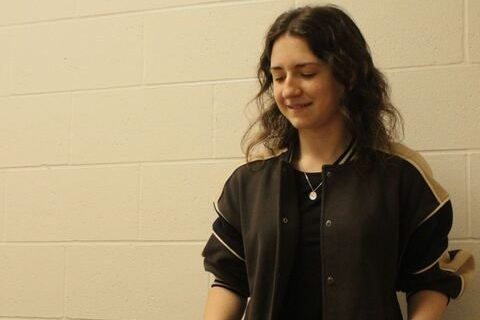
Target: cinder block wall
column 121, row 119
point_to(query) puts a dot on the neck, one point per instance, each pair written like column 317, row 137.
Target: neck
column 320, row 148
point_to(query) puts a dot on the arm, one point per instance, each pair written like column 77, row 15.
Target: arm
column 223, row 304
column 430, row 273
column 224, row 258
column 427, row 305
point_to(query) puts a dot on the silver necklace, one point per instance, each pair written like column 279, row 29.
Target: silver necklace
column 313, row 194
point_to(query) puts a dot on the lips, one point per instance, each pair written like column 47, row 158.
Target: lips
column 298, row 106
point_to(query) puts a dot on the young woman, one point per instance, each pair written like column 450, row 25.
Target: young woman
column 340, row 217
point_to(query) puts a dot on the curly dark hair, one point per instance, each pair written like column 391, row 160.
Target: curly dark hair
column 335, row 39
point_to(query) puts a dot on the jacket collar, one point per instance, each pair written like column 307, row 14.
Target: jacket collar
column 348, row 155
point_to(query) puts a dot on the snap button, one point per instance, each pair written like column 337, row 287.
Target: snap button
column 330, row 280
column 328, row 223
column 285, row 220
column 329, row 173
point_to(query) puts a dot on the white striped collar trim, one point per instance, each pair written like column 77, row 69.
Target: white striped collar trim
column 346, row 156
column 348, row 153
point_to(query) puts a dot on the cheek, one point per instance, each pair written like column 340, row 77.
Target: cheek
column 337, row 89
column 330, row 92
column 277, row 95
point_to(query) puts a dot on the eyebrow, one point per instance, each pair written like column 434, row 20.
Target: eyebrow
column 299, row 65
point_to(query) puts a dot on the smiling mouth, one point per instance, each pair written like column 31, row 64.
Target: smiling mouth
column 299, row 106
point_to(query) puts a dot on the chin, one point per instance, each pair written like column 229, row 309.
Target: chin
column 301, row 125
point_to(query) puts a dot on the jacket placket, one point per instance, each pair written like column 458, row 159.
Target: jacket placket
column 287, row 235
column 323, row 245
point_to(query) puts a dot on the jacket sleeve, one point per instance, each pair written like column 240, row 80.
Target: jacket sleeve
column 224, row 254
column 426, row 262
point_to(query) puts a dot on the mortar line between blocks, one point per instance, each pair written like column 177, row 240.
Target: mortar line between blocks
column 425, row 67
column 70, row 131
column 109, row 15
column 214, row 121
column 4, row 208
column 468, row 187
column 136, row 86
column 144, row 61
column 64, row 280
column 122, row 164
column 12, row 317
column 79, row 243
column 469, row 240
column 140, row 196
column 447, row 152
column 466, row 55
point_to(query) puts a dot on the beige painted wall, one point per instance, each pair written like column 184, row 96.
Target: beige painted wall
column 121, row 119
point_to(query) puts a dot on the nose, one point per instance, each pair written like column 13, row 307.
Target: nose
column 290, row 88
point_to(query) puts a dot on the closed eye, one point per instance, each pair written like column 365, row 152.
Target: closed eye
column 304, row 75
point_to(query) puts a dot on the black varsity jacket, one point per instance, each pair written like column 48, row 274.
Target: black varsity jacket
column 387, row 231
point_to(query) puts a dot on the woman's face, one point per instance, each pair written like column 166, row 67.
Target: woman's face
column 304, row 87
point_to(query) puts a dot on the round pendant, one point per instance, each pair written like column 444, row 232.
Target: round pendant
column 312, row 195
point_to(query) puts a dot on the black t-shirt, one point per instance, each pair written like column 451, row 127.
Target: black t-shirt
column 303, row 299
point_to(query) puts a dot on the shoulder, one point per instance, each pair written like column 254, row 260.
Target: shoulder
column 256, row 167
column 413, row 157
column 250, row 173
column 415, row 167
column 241, row 184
